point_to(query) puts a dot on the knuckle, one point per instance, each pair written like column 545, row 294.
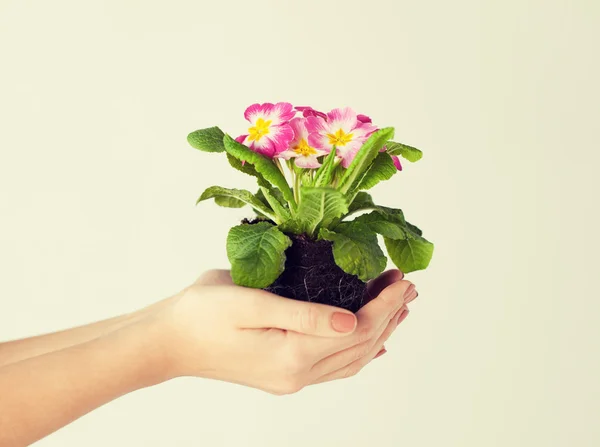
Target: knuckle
column 307, row 318
column 206, row 277
column 361, row 351
column 289, row 385
column 364, row 334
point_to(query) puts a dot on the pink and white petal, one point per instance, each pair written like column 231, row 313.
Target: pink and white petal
column 363, row 118
column 298, row 125
column 349, row 151
column 344, row 119
column 320, row 152
column 397, row 162
column 263, row 146
column 347, row 156
column 309, row 162
column 316, row 124
column 279, row 113
column 280, row 137
column 286, row 155
column 241, row 139
column 363, row 130
column 256, row 111
column 319, row 141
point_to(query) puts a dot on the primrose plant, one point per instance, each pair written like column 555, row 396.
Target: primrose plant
column 315, row 234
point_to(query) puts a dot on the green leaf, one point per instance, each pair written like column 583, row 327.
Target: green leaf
column 362, row 201
column 356, row 250
column 410, row 153
column 247, row 168
column 414, row 229
column 324, row 174
column 383, row 168
column 364, row 157
column 257, row 254
column 208, row 140
column 229, row 202
column 413, row 253
column 242, row 195
column 263, row 165
column 388, row 222
column 281, row 212
column 318, row 208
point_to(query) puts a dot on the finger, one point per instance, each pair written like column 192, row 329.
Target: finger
column 380, row 353
column 353, row 368
column 415, row 296
column 341, row 359
column 370, row 318
column 272, row 311
column 376, row 286
column 215, row 277
column 387, row 303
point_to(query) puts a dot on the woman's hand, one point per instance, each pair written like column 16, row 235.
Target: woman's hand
column 217, row 330
column 211, row 329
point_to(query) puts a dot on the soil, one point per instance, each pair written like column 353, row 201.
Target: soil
column 311, row 274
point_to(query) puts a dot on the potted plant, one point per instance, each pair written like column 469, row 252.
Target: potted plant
column 315, row 234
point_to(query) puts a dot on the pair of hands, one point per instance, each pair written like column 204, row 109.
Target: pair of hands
column 215, row 329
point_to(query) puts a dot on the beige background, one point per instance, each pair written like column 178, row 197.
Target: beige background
column 97, row 189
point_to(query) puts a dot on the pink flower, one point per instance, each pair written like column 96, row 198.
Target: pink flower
column 363, row 118
column 341, row 129
column 270, row 132
column 304, row 154
column 309, row 111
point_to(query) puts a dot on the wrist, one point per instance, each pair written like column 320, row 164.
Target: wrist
column 146, row 343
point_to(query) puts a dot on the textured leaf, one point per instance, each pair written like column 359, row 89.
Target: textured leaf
column 410, row 153
column 208, row 140
column 362, row 201
column 263, row 165
column 256, row 253
column 382, row 169
column 388, row 222
column 324, row 174
column 318, row 208
column 229, row 202
column 364, row 157
column 281, row 212
column 356, row 250
column 410, row 254
column 237, row 194
column 414, row 229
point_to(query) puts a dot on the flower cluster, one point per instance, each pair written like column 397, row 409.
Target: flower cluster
column 276, row 132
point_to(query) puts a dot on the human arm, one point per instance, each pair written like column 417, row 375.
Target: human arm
column 211, row 329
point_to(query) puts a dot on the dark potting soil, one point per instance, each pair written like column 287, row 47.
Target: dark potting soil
column 311, row 274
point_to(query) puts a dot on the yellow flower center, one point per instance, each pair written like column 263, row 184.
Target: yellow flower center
column 304, row 149
column 260, row 129
column 340, row 138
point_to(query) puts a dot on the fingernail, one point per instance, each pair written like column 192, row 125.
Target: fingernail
column 402, row 316
column 412, row 298
column 380, row 353
column 410, row 290
column 343, row 322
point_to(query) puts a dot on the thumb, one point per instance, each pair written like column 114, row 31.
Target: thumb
column 274, row 311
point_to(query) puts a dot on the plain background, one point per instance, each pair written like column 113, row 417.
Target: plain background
column 98, row 184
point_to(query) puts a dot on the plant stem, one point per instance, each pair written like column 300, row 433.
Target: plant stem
column 297, row 178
